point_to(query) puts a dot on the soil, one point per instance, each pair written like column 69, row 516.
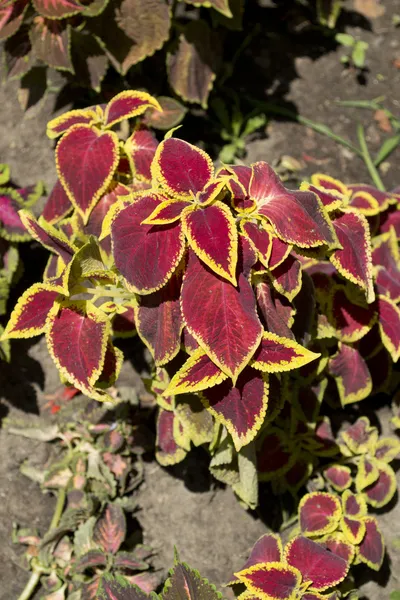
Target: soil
column 182, row 506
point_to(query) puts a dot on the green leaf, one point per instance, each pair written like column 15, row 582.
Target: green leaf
column 395, row 595
column 247, row 489
column 388, row 146
column 4, row 173
column 83, row 538
column 185, row 583
column 253, row 124
column 345, row 39
column 358, row 54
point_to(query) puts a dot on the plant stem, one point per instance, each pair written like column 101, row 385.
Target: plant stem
column 31, row 585
column 58, row 510
column 368, row 160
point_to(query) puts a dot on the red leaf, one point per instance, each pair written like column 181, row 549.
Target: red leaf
column 182, row 169
column 11, row 226
column 274, row 457
column 11, row 17
column 110, row 529
column 271, row 581
column 212, row 234
column 167, row 212
column 382, row 491
column 58, row 9
column 297, row 217
column 241, row 408
column 360, row 437
column 77, row 339
column 351, row 373
column 389, row 219
column 268, row 548
column 167, row 450
column 277, row 354
column 316, row 564
column 339, row 476
column 389, row 325
column 329, row 183
column 159, row 322
column 319, row 513
column 140, row 148
column 353, row 504
column 276, row 315
column 381, row 199
column 86, row 161
column 198, row 373
column 331, row 199
column 51, row 41
column 146, row 255
column 123, row 323
column 388, row 283
column 128, row 104
column 50, row 238
column 354, row 529
column 58, row 204
column 354, row 261
column 30, row 313
column 351, row 319
column 372, row 550
column 61, row 124
column 234, row 332
column 260, row 238
column 337, row 544
column 287, row 277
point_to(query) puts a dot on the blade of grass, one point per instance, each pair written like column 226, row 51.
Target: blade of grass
column 318, row 127
column 387, row 148
column 368, row 160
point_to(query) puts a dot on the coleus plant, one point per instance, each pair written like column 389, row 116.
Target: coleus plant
column 12, row 232
column 83, row 39
column 262, row 307
column 94, row 473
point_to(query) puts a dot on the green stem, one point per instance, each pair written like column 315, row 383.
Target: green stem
column 31, row 585
column 58, row 510
column 368, row 160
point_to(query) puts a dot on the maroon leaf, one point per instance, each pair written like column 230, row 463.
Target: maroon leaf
column 57, row 9
column 182, row 169
column 86, row 161
column 11, row 226
column 58, row 204
column 167, row 450
column 146, row 255
column 91, row 560
column 372, row 550
column 50, row 42
column 307, row 225
column 389, row 325
column 351, row 373
column 159, row 321
column 354, row 261
column 49, row 237
column 234, row 333
column 30, row 313
column 268, row 548
column 319, row 513
column 276, row 315
column 241, row 408
column 286, row 278
column 128, row 104
column 271, row 581
column 140, row 148
column 316, row 564
column 128, row 561
column 384, row 488
column 77, row 340
column 274, row 457
column 110, row 529
column 11, row 17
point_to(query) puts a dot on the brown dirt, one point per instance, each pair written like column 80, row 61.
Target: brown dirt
column 182, row 508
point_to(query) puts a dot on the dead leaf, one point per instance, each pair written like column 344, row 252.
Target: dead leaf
column 372, row 9
column 383, row 121
column 396, row 63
